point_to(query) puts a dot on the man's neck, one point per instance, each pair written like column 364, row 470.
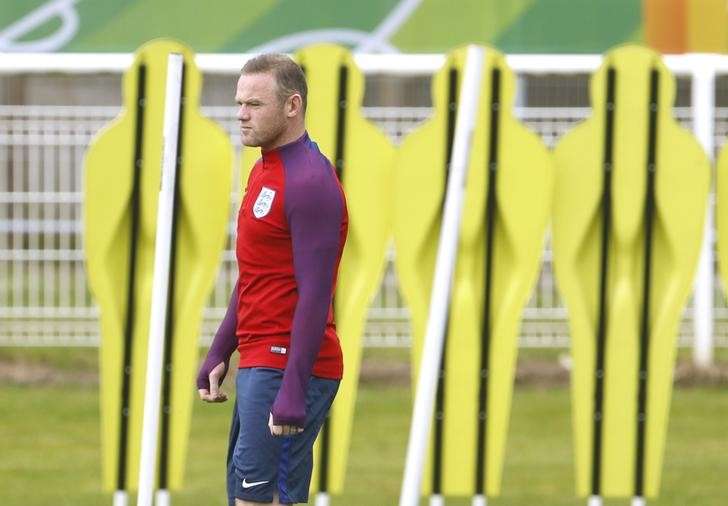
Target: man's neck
column 285, row 138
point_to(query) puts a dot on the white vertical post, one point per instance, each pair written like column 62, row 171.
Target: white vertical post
column 594, row 500
column 437, row 500
column 121, row 498
column 638, row 501
column 160, row 282
column 479, row 500
column 444, row 267
column 703, row 102
column 322, row 499
column 162, row 498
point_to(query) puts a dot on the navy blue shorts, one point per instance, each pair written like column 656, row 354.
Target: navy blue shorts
column 259, row 464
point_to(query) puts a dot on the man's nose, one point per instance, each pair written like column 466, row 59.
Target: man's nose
column 243, row 114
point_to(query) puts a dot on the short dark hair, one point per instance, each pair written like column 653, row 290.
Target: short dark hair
column 288, row 74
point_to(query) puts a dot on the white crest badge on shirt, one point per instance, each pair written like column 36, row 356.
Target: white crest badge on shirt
column 264, row 202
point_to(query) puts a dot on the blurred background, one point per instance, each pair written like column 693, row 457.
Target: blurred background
column 61, row 63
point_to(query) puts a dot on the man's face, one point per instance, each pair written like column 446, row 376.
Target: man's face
column 261, row 113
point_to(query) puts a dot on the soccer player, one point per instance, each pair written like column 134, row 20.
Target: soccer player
column 291, row 230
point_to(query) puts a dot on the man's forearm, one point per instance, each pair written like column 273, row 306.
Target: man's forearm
column 315, row 283
column 224, row 343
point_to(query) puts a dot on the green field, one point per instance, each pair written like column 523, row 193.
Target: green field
column 50, row 439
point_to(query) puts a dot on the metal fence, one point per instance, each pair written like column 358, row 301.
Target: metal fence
column 44, row 299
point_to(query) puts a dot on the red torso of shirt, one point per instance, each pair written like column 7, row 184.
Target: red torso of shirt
column 267, row 286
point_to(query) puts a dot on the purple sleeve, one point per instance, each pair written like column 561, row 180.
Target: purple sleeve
column 314, row 210
column 223, row 345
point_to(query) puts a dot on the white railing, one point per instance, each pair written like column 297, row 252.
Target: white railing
column 44, row 300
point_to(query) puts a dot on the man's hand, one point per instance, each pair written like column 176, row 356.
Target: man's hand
column 283, row 430
column 215, row 394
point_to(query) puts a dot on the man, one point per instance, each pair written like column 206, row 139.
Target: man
column 292, row 226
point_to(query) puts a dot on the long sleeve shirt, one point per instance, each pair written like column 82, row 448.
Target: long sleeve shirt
column 291, row 231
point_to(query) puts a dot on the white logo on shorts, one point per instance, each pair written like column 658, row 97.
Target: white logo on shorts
column 253, row 483
column 264, row 202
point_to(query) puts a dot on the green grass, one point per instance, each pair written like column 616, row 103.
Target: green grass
column 62, row 359
column 50, row 449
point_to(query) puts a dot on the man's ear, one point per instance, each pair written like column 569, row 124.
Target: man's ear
column 294, row 105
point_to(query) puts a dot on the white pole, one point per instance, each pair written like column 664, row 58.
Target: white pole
column 322, row 499
column 437, row 500
column 639, row 501
column 409, row 64
column 594, row 500
column 444, row 267
column 703, row 101
column 162, row 498
column 121, row 498
column 479, row 500
column 160, row 282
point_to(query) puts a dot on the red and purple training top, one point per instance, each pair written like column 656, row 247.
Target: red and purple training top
column 292, row 227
